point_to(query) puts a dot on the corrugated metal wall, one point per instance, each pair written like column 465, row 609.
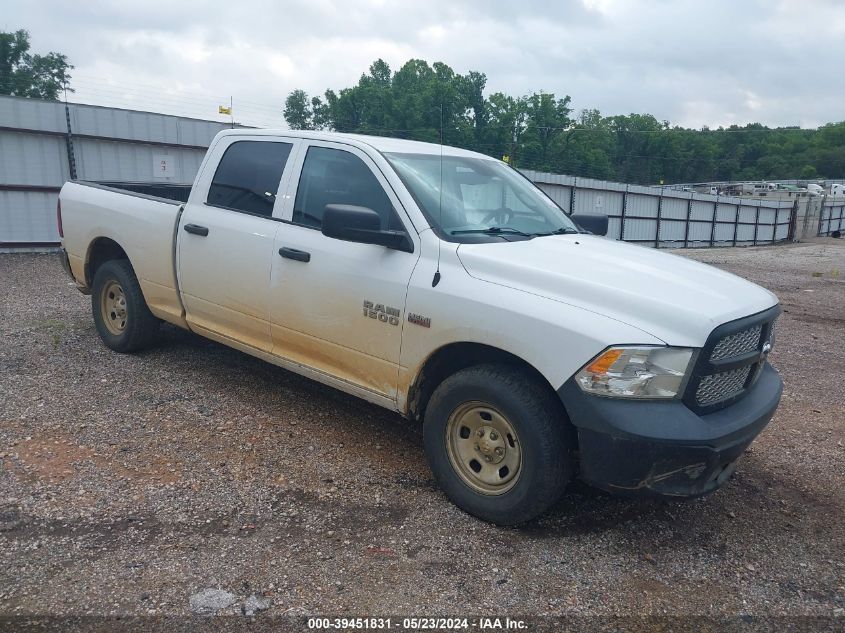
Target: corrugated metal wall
column 832, row 216
column 665, row 218
column 108, row 144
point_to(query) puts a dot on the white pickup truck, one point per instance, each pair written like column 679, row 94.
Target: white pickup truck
column 442, row 284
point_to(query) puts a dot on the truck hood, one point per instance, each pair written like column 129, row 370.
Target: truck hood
column 673, row 298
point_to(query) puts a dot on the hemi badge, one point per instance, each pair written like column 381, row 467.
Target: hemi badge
column 418, row 319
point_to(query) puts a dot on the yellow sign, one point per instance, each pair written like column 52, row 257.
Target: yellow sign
column 506, row 158
column 224, row 110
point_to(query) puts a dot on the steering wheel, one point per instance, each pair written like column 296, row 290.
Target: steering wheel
column 502, row 216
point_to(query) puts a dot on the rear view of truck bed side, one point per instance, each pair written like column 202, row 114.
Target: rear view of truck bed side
column 101, row 223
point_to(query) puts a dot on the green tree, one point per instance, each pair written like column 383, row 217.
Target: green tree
column 374, row 94
column 428, row 102
column 548, row 118
column 508, row 120
column 586, row 148
column 26, row 75
column 808, row 171
column 419, row 101
column 298, row 111
column 319, row 113
column 472, row 86
column 637, row 147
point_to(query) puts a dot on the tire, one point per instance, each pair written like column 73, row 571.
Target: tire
column 494, row 402
column 123, row 320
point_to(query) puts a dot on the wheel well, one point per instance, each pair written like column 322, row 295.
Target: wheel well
column 452, row 358
column 101, row 250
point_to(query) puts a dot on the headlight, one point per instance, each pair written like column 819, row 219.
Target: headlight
column 637, row 372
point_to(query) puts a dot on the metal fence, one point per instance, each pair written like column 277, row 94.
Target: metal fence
column 723, row 184
column 672, row 219
column 832, row 215
column 43, row 144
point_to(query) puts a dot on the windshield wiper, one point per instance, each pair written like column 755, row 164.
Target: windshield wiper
column 492, row 230
column 561, row 231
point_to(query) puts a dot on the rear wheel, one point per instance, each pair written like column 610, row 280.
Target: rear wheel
column 496, row 442
column 123, row 320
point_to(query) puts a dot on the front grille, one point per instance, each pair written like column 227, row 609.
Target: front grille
column 730, row 361
column 721, row 386
column 738, row 344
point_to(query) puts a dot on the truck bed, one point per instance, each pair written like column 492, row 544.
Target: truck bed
column 166, row 191
column 97, row 216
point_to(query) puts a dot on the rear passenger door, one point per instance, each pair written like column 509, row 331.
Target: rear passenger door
column 338, row 306
column 226, row 237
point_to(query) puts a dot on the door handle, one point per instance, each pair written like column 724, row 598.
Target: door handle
column 292, row 253
column 196, row 229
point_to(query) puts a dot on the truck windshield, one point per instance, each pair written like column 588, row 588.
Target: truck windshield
column 479, row 197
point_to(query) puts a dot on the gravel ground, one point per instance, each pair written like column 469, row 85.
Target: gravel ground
column 130, row 484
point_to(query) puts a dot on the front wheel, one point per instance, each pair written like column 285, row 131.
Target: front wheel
column 123, row 320
column 495, row 439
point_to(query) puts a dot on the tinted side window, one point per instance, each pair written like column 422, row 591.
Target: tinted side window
column 333, row 176
column 248, row 176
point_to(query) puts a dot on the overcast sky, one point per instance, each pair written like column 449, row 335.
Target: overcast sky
column 692, row 62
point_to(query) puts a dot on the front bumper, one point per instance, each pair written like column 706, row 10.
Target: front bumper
column 662, row 447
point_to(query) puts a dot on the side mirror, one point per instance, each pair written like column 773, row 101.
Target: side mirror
column 360, row 224
column 595, row 224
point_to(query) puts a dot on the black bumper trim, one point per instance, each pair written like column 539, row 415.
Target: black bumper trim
column 664, row 448
column 66, row 262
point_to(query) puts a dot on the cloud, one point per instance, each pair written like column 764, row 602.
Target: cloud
column 688, row 62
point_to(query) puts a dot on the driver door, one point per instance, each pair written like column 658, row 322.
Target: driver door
column 336, row 306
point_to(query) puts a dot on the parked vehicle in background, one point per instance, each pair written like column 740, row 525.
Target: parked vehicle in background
column 837, row 189
column 814, row 189
column 792, row 190
column 707, row 189
column 444, row 285
column 765, row 187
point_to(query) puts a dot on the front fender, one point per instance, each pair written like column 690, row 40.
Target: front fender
column 555, row 338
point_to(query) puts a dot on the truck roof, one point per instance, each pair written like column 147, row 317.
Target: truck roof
column 379, row 143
